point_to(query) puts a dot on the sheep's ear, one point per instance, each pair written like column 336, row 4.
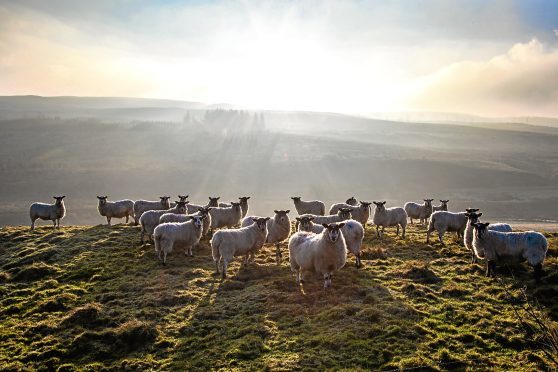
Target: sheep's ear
column 480, row 214
column 341, row 224
column 276, row 211
column 384, row 202
column 200, row 209
column 311, row 218
column 287, row 211
column 209, row 197
column 267, row 218
column 186, row 202
column 325, row 225
column 247, row 197
column 298, row 219
column 467, row 214
column 98, row 197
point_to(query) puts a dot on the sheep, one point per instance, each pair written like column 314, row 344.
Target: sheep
column 353, row 232
column 278, row 229
column 342, row 215
column 502, row 247
column 243, row 205
column 386, row 217
column 419, row 211
column 181, row 198
column 335, row 207
column 150, row 219
column 213, row 202
column 226, row 217
column 472, row 218
column 443, row 221
column 227, row 243
column 202, row 211
column 315, row 207
column 54, row 212
column 323, row 253
column 141, row 206
column 115, row 209
column 186, row 234
column 442, row 207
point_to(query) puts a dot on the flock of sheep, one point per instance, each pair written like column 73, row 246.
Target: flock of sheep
column 321, row 242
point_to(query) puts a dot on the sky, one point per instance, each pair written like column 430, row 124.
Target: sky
column 490, row 58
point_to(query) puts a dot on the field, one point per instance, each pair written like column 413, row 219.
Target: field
column 92, row 298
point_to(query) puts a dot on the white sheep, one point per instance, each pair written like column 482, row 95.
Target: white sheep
column 150, row 219
column 315, row 207
column 115, row 209
column 243, row 205
column 342, row 215
column 323, row 253
column 278, row 229
column 442, row 207
column 443, row 221
column 226, row 217
column 503, row 247
column 186, row 234
column 387, row 217
column 194, row 208
column 335, row 207
column 472, row 218
column 202, row 211
column 227, row 243
column 419, row 211
column 353, row 232
column 54, row 212
column 141, row 206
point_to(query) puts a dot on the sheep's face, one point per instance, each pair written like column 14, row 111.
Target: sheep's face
column 235, row 206
column 305, row 223
column 205, row 211
column 244, row 199
column 480, row 228
column 296, row 198
column 428, row 202
column 281, row 216
column 471, row 210
column 444, row 203
column 197, row 221
column 164, row 199
column 261, row 223
column 181, row 207
column 102, row 200
column 380, row 206
column 345, row 213
column 351, row 201
column 183, row 198
column 364, row 205
column 59, row 199
column 473, row 217
column 214, row 201
column 332, row 230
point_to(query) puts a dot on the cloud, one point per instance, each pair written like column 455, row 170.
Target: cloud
column 523, row 81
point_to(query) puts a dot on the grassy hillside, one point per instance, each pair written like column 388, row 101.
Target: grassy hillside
column 91, row 296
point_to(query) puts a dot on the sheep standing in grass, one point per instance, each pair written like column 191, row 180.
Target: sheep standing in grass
column 472, row 218
column 361, row 213
column 386, row 217
column 226, row 217
column 278, row 229
column 202, row 211
column 186, row 234
column 419, row 211
column 227, row 243
column 335, row 207
column 115, row 209
column 443, row 221
column 54, row 212
column 323, row 253
column 442, row 207
column 150, row 219
column 512, row 247
column 353, row 232
column 315, row 207
column 243, row 205
column 141, row 206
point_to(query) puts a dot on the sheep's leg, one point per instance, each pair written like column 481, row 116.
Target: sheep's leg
column 141, row 239
column 278, row 255
column 252, row 257
column 54, row 224
column 127, row 218
column 33, row 224
column 165, row 258
column 217, row 263
column 473, row 257
column 377, row 231
column 108, row 220
column 403, row 234
column 191, row 251
column 383, row 230
column 358, row 263
column 538, row 272
column 490, row 268
column 327, row 280
column 245, row 261
column 397, row 233
column 411, row 221
column 441, row 237
column 224, row 273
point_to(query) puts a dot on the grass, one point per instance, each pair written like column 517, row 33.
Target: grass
column 92, row 298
